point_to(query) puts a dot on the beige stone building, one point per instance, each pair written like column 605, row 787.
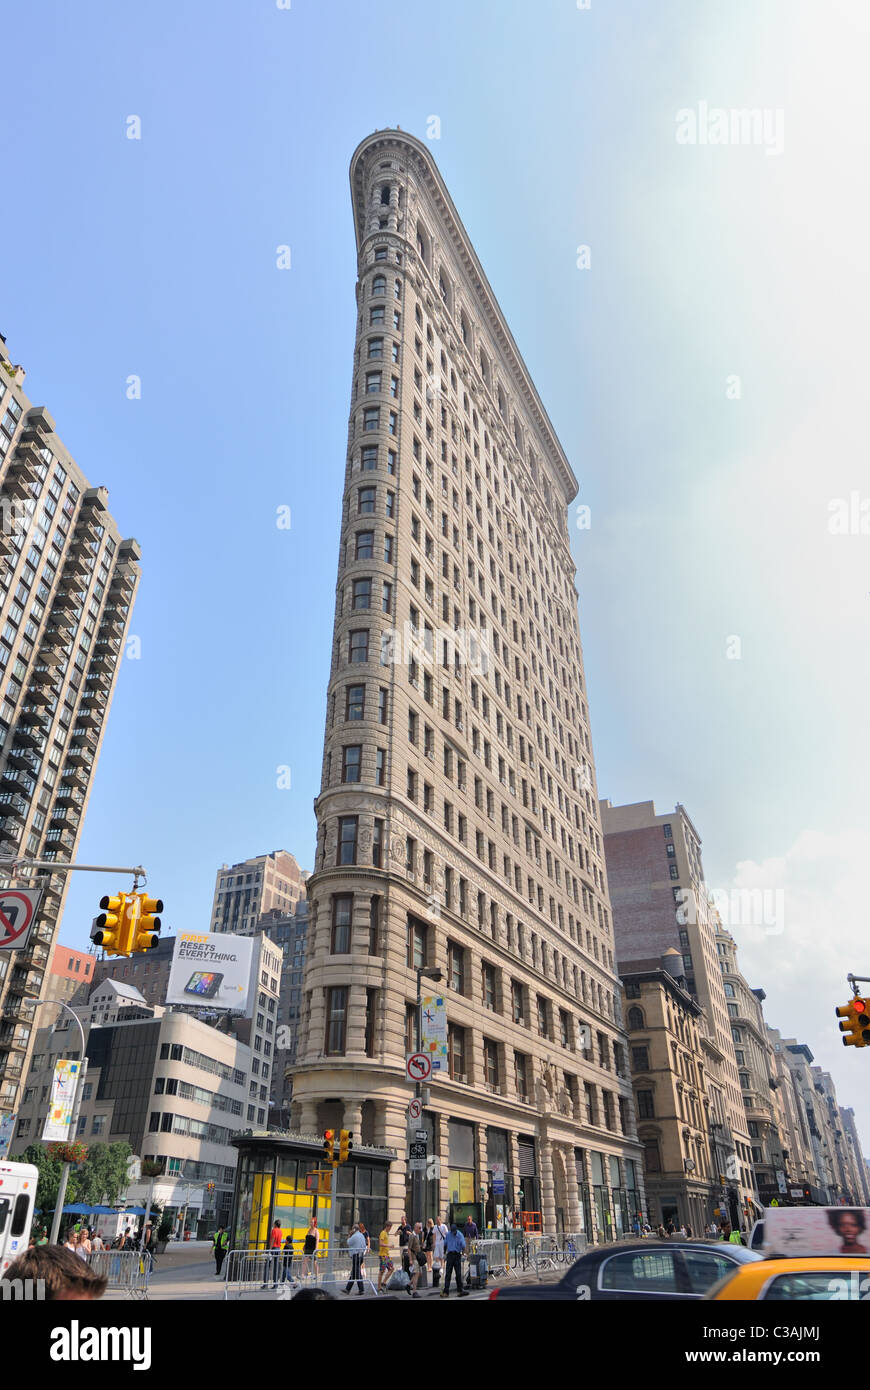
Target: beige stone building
column 458, row 827
column 754, row 1056
column 666, row 1028
column 660, row 902
column 244, row 892
column 67, row 586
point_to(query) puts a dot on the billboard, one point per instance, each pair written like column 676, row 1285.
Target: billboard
column 817, row 1231
column 212, row 969
column 60, row 1106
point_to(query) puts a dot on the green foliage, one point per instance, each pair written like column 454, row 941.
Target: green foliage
column 49, row 1175
column 103, row 1176
column 99, row 1180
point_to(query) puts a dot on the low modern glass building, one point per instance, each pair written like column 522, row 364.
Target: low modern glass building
column 275, row 1181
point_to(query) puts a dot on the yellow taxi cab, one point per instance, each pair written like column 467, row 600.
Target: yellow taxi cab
column 806, row 1278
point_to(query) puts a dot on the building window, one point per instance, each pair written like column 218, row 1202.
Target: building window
column 418, row 934
column 635, row 1018
column 358, row 647
column 488, row 977
column 378, row 844
column 374, row 926
column 342, row 912
column 645, row 1107
column 490, row 1062
column 351, row 761
column 347, row 833
column 521, row 1075
column 365, row 545
column 640, row 1058
column 380, row 755
column 362, row 594
column 456, row 1052
column 456, row 967
column 336, row 1021
column 651, row 1156
column 366, row 499
column 517, row 1004
column 355, row 704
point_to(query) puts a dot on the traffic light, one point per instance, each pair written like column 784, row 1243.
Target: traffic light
column 344, row 1145
column 855, row 1023
column 148, row 925
column 329, row 1145
column 110, row 928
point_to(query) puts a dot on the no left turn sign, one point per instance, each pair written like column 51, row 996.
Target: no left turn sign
column 418, row 1066
column 17, row 915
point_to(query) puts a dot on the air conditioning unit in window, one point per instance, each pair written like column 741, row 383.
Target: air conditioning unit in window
column 451, row 985
column 463, row 1078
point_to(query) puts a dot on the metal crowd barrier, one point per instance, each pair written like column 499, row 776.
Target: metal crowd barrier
column 126, row 1270
column 257, row 1270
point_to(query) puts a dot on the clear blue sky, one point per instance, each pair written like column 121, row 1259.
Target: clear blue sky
column 157, row 257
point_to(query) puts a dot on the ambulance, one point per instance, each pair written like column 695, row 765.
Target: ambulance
column 17, row 1199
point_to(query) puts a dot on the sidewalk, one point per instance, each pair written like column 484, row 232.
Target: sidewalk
column 194, row 1280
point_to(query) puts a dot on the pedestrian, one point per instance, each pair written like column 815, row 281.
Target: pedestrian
column 671, row 1228
column 455, row 1248
column 688, row 1233
column 429, row 1243
column 309, row 1247
column 403, row 1231
column 368, row 1239
column 219, row 1242
column 682, row 1233
column 385, row 1264
column 441, row 1234
column 356, row 1244
column 416, row 1256
column 273, row 1259
column 84, row 1243
column 71, row 1242
column 470, row 1230
column 97, row 1242
column 287, row 1273
column 661, row 1233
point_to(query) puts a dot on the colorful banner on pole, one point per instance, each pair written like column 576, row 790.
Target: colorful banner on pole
column 60, row 1109
column 7, row 1129
column 434, row 1031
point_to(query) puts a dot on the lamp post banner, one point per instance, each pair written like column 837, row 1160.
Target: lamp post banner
column 433, row 1032
column 60, row 1109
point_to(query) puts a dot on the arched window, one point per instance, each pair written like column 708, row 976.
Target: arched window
column 635, row 1018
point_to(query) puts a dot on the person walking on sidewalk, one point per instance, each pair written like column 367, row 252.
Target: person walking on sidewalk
column 455, row 1249
column 416, row 1256
column 274, row 1256
column 385, row 1263
column 287, row 1272
column 219, row 1242
column 309, row 1248
column 356, row 1244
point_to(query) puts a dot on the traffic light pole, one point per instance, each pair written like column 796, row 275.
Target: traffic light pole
column 57, row 867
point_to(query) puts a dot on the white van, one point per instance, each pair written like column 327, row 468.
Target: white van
column 17, row 1200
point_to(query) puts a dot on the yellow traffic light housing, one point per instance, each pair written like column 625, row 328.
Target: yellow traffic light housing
column 148, row 925
column 344, row 1145
column 329, row 1145
column 109, row 929
column 855, row 1023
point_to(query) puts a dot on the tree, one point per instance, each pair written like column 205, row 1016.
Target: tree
column 49, row 1175
column 103, row 1176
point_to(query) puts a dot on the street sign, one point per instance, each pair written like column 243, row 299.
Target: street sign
column 498, row 1178
column 415, row 1109
column 417, row 1157
column 421, row 1134
column 418, row 1066
column 17, row 915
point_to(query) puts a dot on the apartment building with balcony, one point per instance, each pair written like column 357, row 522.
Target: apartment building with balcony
column 660, row 902
column 458, row 828
column 67, row 585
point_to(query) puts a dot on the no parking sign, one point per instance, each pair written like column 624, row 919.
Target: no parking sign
column 17, row 914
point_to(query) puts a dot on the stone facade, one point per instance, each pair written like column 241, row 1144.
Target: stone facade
column 458, row 826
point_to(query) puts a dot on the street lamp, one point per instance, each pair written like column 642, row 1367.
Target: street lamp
column 74, row 1117
column 429, row 972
